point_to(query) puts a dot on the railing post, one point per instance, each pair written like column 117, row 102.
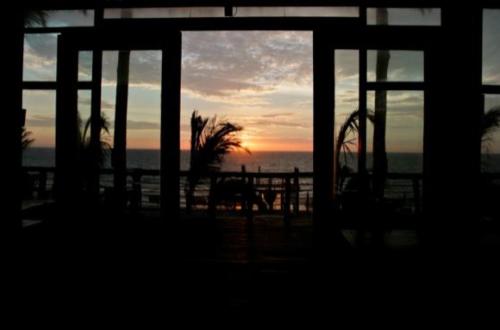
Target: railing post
column 250, row 198
column 136, row 198
column 288, row 187
column 258, row 178
column 307, row 203
column 211, row 197
column 270, row 200
column 296, row 190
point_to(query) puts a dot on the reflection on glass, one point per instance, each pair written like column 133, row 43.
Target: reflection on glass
column 404, row 131
column 85, row 66
column 407, row 16
column 64, row 18
column 40, row 57
column 40, row 121
column 491, row 47
column 178, row 12
column 403, row 66
column 295, row 11
column 491, row 134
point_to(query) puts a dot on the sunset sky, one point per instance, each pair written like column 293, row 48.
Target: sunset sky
column 260, row 80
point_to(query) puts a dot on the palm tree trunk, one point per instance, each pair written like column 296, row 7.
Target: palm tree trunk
column 119, row 156
column 379, row 140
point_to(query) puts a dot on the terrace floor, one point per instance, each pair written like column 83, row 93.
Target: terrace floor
column 227, row 264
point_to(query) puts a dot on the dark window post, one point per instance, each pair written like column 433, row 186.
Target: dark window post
column 323, row 118
column 170, row 126
column 11, row 125
column 67, row 137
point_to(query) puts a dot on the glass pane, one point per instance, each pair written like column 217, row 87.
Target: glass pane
column 346, row 104
column 40, row 57
column 143, row 121
column 404, row 127
column 108, row 100
column 84, row 110
column 400, row 66
column 108, row 85
column 85, row 66
column 296, row 12
column 491, row 47
column 261, row 80
column 404, row 131
column 491, row 136
column 143, row 131
column 179, row 12
column 406, row 16
column 346, row 108
column 59, row 18
column 40, row 121
column 38, row 148
column 144, row 102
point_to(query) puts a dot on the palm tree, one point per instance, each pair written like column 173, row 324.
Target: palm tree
column 90, row 154
column 380, row 163
column 211, row 140
column 350, row 127
column 91, row 157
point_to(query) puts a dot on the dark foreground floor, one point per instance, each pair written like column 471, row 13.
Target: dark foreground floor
column 231, row 265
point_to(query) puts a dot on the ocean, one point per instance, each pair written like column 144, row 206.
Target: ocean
column 266, row 161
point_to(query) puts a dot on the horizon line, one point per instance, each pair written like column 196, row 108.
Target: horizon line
column 237, row 152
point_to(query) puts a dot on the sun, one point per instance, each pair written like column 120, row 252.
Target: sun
column 246, row 142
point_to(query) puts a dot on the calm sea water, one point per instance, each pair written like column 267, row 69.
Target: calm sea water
column 267, row 161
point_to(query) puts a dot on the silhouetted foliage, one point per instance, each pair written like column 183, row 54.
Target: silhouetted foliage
column 211, row 140
column 490, row 123
column 347, row 137
column 26, row 139
column 90, row 155
column 35, row 17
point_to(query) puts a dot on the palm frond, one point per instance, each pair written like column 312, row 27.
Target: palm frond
column 211, row 140
column 490, row 123
column 90, row 154
column 34, row 18
column 347, row 138
column 26, row 139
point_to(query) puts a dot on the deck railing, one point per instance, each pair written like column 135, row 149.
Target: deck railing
column 288, row 193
